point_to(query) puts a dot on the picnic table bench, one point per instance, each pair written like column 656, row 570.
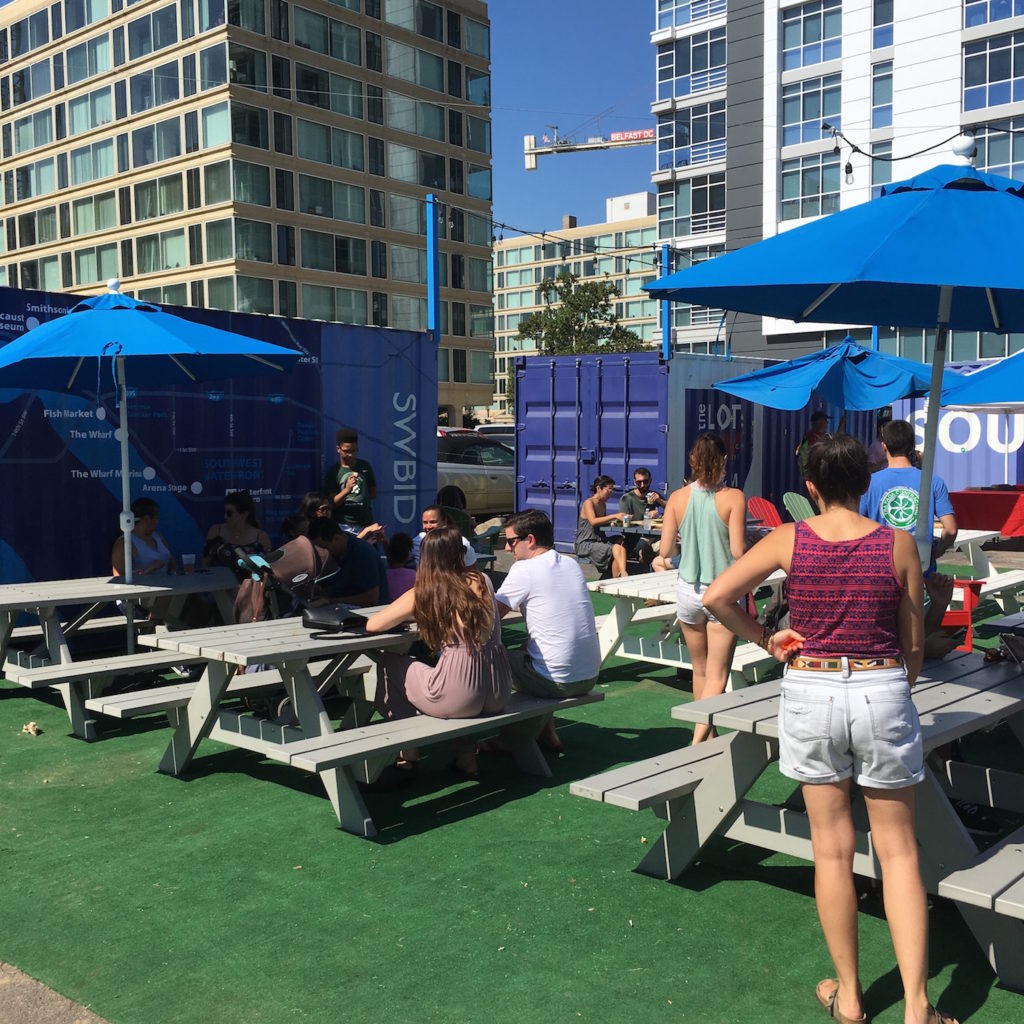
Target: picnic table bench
column 701, row 793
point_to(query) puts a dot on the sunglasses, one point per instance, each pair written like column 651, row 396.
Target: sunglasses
column 511, row 542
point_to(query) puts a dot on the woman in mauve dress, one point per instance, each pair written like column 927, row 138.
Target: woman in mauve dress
column 455, row 613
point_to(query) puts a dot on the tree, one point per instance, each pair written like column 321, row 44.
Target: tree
column 578, row 319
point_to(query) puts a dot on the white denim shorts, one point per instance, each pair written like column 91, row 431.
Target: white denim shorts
column 689, row 606
column 841, row 725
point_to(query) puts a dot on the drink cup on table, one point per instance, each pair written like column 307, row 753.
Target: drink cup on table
column 188, row 563
column 626, row 519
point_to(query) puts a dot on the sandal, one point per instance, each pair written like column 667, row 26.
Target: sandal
column 831, row 1003
column 936, row 1016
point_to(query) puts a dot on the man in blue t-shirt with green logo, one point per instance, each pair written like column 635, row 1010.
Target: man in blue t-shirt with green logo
column 892, row 497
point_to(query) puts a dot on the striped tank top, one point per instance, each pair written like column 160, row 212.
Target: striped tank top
column 843, row 595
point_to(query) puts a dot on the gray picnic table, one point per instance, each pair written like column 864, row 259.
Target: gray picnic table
column 955, row 699
column 50, row 663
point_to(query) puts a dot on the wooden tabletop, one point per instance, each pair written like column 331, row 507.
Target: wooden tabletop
column 275, row 641
column 92, row 589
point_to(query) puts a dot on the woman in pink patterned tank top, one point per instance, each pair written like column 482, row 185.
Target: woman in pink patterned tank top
column 856, row 598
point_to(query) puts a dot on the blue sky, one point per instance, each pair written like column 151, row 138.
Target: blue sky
column 564, row 62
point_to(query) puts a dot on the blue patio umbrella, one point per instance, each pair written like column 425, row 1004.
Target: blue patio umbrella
column 144, row 345
column 938, row 250
column 846, row 375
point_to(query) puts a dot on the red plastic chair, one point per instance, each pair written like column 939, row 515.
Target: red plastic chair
column 764, row 511
column 964, row 616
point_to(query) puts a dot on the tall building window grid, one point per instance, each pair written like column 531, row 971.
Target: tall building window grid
column 149, row 41
column 810, row 186
column 881, row 169
column 692, row 207
column 993, row 71
column 806, row 104
column 674, row 13
column 881, row 94
column 693, row 135
column 983, row 12
column 1001, row 148
column 692, row 64
column 812, row 34
column 881, row 23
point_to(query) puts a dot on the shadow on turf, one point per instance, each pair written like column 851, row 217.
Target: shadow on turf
column 435, row 796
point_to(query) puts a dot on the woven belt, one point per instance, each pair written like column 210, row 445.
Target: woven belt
column 836, row 664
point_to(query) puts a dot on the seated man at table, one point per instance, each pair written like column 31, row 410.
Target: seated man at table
column 360, row 575
column 636, row 503
column 561, row 657
column 892, row 496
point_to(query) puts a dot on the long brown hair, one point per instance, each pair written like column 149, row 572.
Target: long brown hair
column 445, row 595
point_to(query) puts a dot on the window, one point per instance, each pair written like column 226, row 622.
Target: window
column 154, row 87
column 481, row 371
column 94, row 213
column 250, row 126
column 478, row 181
column 881, row 21
column 79, row 13
column 692, row 207
column 34, row 130
column 31, row 83
column 155, row 142
column 96, row 264
column 478, row 39
column 216, row 125
column 247, row 67
column 416, row 117
column 806, row 104
column 346, row 43
column 980, row 12
column 253, row 241
column 247, row 14
column 311, row 31
column 322, row 251
column 163, row 251
column 342, row 305
column 881, row 169
column 252, row 183
column 217, row 183
column 812, row 33
column 416, row 166
column 220, row 240
column 412, row 65
column 419, row 16
column 881, row 95
column 409, row 314
column 478, row 134
column 30, row 33
column 694, row 135
column 479, row 277
column 478, row 87
column 481, row 321
column 478, row 230
column 1001, row 148
column 90, row 111
column 213, row 67
column 691, row 64
column 152, row 32
column 459, row 365
column 38, row 227
column 41, row 274
column 994, row 71
column 408, row 264
column 91, row 162
column 810, row 186
column 87, row 59
column 683, row 12
column 159, row 197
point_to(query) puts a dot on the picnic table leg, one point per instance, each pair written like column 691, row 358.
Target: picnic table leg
column 522, row 738
column 74, row 694
column 348, row 802
column 198, row 718
column 695, row 818
column 610, row 634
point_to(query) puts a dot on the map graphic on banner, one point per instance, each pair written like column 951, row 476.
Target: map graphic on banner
column 273, row 436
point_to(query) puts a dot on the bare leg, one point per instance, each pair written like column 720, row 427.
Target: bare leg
column 833, row 839
column 696, row 640
column 891, row 813
column 619, row 560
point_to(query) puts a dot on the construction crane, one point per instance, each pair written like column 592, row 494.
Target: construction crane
column 554, row 144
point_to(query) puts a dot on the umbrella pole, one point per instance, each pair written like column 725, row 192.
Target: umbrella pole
column 923, row 532
column 127, row 519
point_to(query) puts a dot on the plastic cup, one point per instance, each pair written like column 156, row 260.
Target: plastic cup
column 188, row 563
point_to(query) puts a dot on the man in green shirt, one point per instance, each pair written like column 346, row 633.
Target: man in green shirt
column 635, row 503
column 350, row 484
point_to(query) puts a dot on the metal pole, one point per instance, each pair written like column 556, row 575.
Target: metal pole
column 433, row 270
column 666, row 307
column 127, row 519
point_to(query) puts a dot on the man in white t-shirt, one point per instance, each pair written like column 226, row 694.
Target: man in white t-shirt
column 561, row 657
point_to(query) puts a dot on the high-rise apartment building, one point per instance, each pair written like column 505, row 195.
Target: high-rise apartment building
column 621, row 251
column 748, row 96
column 256, row 155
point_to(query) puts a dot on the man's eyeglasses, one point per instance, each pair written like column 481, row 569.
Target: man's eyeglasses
column 641, row 484
column 511, row 542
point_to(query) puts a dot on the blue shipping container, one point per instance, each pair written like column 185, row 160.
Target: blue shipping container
column 273, row 436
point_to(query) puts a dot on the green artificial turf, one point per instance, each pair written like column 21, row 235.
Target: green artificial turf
column 232, row 896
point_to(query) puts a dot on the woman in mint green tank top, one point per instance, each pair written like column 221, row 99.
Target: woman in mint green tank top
column 706, row 522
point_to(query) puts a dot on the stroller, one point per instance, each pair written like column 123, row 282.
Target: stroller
column 277, row 585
